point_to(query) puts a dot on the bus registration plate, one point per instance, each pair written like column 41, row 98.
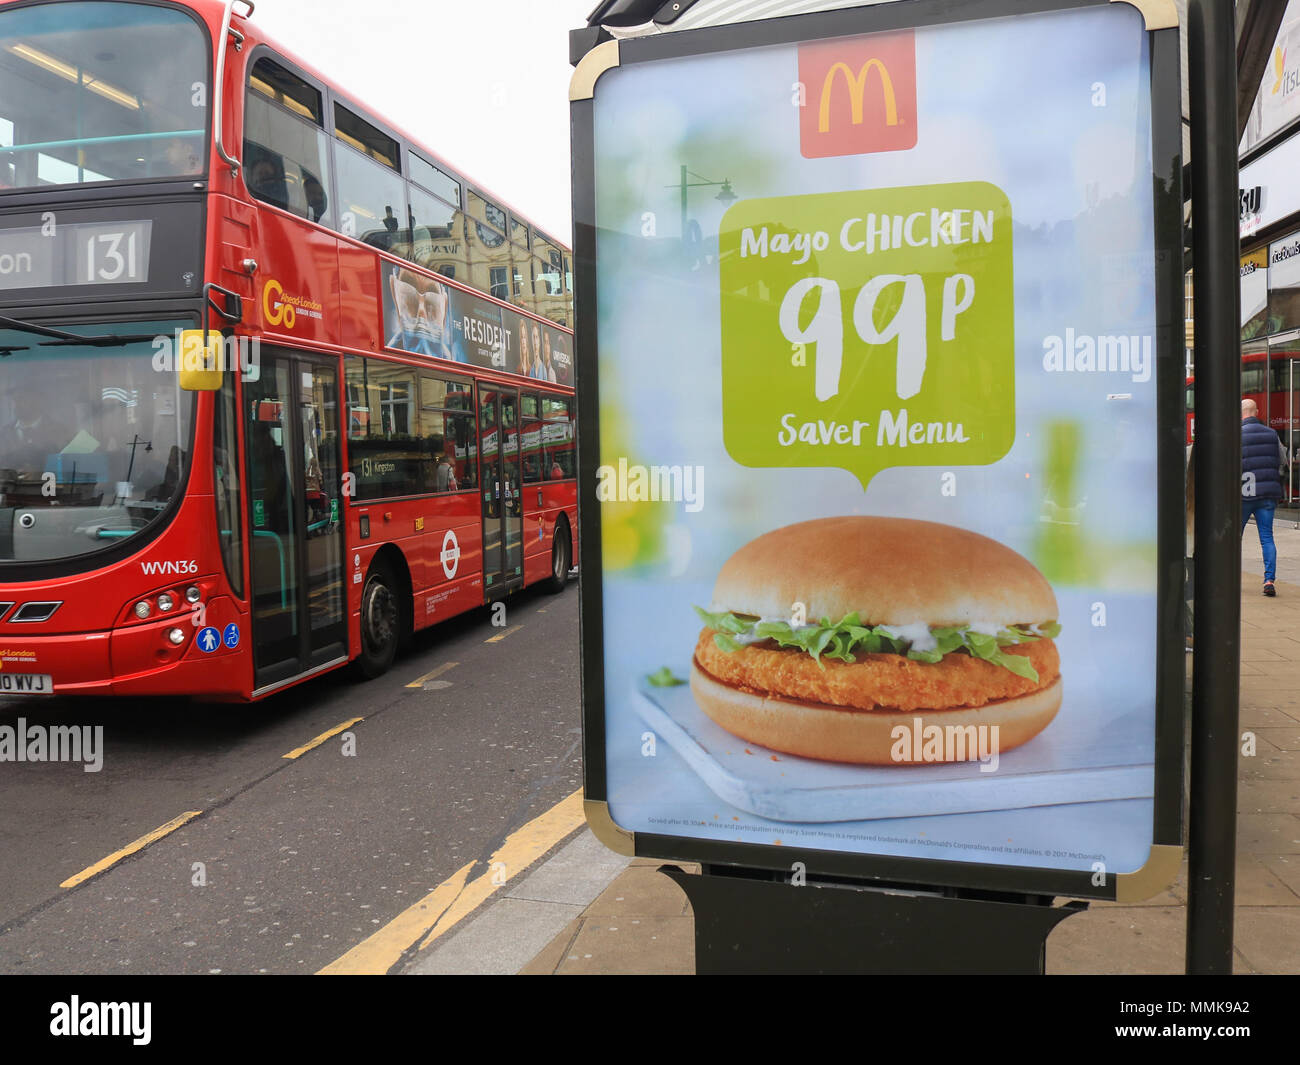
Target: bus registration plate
column 26, row 683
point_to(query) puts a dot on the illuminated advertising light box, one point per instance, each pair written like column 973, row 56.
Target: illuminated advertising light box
column 880, row 326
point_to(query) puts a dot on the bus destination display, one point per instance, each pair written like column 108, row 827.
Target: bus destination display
column 55, row 255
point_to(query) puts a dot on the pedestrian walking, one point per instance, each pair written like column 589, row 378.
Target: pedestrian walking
column 1262, row 460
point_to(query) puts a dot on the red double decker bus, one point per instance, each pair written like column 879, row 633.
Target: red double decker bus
column 1271, row 377
column 278, row 386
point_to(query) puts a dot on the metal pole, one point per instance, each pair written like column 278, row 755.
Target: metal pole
column 1212, row 829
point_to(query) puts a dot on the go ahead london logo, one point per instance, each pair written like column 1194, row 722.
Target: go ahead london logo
column 859, row 95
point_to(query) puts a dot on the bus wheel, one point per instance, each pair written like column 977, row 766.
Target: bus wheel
column 381, row 621
column 559, row 560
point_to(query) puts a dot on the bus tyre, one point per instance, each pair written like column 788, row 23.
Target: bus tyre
column 381, row 621
column 559, row 561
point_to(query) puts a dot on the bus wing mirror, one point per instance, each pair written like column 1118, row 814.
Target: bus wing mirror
column 199, row 360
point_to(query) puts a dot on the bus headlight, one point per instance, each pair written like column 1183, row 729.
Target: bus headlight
column 177, row 636
column 143, row 609
column 192, row 594
column 166, row 602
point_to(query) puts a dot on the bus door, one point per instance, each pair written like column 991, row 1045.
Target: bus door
column 502, row 494
column 296, row 550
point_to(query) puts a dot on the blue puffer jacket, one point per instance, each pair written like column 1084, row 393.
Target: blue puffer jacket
column 1261, row 454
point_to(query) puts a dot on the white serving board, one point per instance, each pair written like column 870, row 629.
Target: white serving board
column 1077, row 758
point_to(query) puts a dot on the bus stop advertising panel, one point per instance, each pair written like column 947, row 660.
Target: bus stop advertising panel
column 883, row 516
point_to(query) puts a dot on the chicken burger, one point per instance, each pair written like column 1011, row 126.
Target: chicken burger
column 826, row 637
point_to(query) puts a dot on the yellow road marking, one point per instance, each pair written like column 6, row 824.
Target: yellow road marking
column 130, row 848
column 453, row 900
column 377, row 954
column 297, row 752
column 502, row 635
column 419, row 681
column 521, row 848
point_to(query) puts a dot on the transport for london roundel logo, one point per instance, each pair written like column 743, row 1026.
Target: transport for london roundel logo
column 858, row 95
column 450, row 555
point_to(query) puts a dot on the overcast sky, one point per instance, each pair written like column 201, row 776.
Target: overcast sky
column 483, row 84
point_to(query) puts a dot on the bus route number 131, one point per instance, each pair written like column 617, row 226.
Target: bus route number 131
column 112, row 256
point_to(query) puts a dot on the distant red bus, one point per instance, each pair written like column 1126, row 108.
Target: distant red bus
column 278, row 386
column 1272, row 380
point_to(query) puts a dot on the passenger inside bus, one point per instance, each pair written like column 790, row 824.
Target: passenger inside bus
column 182, row 156
column 445, row 480
column 270, row 481
column 265, row 180
column 317, row 202
column 34, row 432
column 313, row 486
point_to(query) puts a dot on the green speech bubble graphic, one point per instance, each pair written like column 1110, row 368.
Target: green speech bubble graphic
column 869, row 329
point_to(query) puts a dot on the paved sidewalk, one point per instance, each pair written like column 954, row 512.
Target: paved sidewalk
column 526, row 916
column 641, row 923
column 1286, row 537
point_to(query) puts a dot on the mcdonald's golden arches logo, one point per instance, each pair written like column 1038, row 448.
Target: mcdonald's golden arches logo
column 859, row 95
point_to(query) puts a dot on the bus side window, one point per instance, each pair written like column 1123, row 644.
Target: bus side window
column 521, row 269
column 455, row 466
column 448, row 432
column 372, row 195
column 1280, row 371
column 532, row 439
column 1252, row 379
column 558, row 437
column 489, row 251
column 286, row 154
column 436, row 230
column 385, row 452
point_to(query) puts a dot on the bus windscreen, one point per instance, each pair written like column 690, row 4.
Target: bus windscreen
column 94, row 444
column 93, row 92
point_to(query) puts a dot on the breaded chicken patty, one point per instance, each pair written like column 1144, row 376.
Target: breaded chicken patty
column 877, row 681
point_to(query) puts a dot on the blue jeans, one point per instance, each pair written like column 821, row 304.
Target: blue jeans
column 1263, row 511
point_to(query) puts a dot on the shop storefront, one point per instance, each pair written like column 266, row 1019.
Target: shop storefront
column 1270, row 336
column 1270, row 244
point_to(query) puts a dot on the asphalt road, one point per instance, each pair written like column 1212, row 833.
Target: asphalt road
column 300, row 859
